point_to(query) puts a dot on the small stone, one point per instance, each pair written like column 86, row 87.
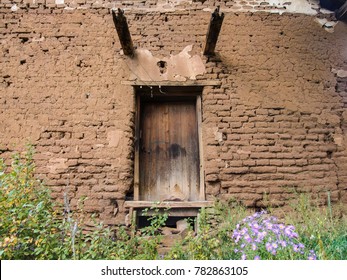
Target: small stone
column 14, row 8
column 166, row 231
column 182, row 225
column 170, row 240
column 184, row 233
column 127, row 220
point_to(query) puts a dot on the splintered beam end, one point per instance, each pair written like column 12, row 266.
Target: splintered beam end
column 214, row 28
column 123, row 32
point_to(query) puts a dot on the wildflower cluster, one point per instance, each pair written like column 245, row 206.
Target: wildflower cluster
column 261, row 236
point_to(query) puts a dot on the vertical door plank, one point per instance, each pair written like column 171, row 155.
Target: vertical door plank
column 137, row 150
column 202, row 195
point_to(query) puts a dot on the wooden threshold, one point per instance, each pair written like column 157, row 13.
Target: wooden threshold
column 168, row 204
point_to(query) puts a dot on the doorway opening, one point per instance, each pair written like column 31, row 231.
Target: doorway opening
column 168, row 167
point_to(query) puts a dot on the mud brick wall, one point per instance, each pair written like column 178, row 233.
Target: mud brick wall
column 275, row 122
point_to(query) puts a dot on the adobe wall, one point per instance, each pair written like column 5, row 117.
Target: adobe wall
column 276, row 121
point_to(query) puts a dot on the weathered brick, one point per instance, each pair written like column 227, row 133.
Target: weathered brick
column 236, row 170
column 263, row 169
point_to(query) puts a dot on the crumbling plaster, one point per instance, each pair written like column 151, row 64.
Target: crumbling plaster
column 181, row 67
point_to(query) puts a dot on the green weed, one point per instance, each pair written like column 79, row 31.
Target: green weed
column 33, row 226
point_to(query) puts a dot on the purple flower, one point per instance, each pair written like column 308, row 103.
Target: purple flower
column 248, row 238
column 256, row 215
column 274, row 219
column 289, row 231
column 256, row 230
column 269, row 225
column 257, row 258
column 268, row 246
column 255, row 226
column 312, row 255
column 281, row 226
column 296, row 248
column 276, row 230
column 236, row 236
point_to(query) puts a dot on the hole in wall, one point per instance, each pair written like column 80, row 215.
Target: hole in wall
column 328, row 137
column 24, row 39
column 129, row 195
column 114, row 202
column 162, row 66
column 23, row 61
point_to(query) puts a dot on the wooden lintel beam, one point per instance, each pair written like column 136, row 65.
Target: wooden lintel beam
column 123, row 32
column 341, row 13
column 214, row 28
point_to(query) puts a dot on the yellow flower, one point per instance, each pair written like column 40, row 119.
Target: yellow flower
column 6, row 241
column 38, row 241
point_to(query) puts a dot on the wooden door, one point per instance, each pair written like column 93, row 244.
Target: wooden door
column 169, row 152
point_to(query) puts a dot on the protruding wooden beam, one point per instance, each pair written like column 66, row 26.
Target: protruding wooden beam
column 341, row 13
column 213, row 32
column 121, row 24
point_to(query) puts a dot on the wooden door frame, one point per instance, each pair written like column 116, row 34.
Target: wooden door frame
column 168, row 92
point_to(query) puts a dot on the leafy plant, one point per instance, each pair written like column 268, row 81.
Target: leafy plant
column 28, row 219
column 321, row 228
column 33, row 226
column 157, row 219
column 150, row 237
